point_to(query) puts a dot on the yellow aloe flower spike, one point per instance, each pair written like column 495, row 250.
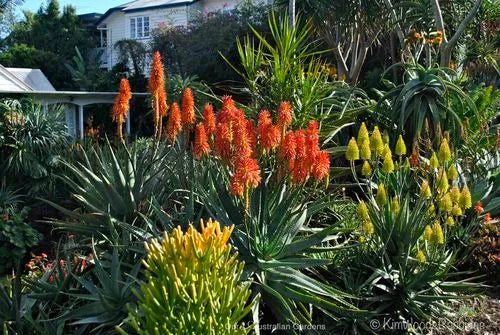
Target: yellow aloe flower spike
column 365, row 152
column 352, row 152
column 363, row 211
column 445, row 203
column 400, row 146
column 366, row 170
column 456, row 211
column 386, row 137
column 420, row 257
column 449, row 221
column 442, row 181
column 452, row 173
column 363, row 135
column 431, row 210
column 465, row 200
column 376, row 142
column 191, row 274
column 428, row 233
column 425, row 190
column 388, row 164
column 368, row 227
column 386, row 150
column 444, row 153
column 455, row 194
column 437, row 234
column 433, row 162
column 395, row 207
column 381, row 197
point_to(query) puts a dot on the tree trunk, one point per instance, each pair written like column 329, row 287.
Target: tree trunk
column 360, row 60
column 447, row 46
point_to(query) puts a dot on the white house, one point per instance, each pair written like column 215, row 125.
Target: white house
column 137, row 19
column 33, row 83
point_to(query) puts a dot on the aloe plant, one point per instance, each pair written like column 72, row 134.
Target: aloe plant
column 424, row 96
column 279, row 249
column 121, row 192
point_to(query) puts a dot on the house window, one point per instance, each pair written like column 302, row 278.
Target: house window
column 104, row 37
column 139, row 27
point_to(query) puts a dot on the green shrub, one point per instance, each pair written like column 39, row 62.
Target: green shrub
column 192, row 285
column 16, row 237
column 33, row 144
column 193, row 50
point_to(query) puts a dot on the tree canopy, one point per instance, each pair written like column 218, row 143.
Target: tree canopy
column 51, row 35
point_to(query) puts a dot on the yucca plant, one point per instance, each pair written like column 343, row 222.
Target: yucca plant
column 33, row 141
column 192, row 285
column 283, row 68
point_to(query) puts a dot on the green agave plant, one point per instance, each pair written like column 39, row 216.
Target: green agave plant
column 121, row 192
column 101, row 301
column 278, row 248
column 70, row 299
column 119, row 182
column 424, row 96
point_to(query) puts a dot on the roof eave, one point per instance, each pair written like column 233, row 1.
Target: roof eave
column 107, row 14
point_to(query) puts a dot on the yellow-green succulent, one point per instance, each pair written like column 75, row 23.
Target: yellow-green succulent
column 192, row 285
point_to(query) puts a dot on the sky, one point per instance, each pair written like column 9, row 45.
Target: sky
column 82, row 6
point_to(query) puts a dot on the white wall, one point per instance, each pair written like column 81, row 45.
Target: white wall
column 174, row 16
column 117, row 30
column 118, row 26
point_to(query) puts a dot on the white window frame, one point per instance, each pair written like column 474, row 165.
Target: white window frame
column 138, row 32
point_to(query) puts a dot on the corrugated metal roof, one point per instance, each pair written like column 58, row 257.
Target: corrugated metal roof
column 143, row 4
column 9, row 82
column 34, row 78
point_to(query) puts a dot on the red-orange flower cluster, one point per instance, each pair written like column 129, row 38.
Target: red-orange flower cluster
column 269, row 134
column 209, row 119
column 162, row 103
column 174, row 125
column 158, row 94
column 246, row 176
column 478, row 208
column 237, row 142
column 302, row 157
column 285, row 114
column 121, row 106
column 188, row 115
column 201, row 147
